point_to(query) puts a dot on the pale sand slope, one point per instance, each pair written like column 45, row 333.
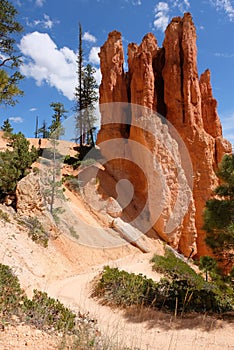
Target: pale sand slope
column 66, row 269
column 147, row 329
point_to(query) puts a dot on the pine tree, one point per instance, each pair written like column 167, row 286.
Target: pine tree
column 43, row 131
column 52, row 185
column 85, row 97
column 56, row 129
column 9, row 60
column 7, row 128
column 15, row 163
column 219, row 214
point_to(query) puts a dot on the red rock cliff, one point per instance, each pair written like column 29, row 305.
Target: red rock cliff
column 166, row 80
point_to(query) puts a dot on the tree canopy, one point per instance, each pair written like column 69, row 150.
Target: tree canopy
column 219, row 214
column 55, row 128
column 9, row 58
column 15, row 163
column 6, row 127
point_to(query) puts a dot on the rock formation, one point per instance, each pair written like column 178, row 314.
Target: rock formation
column 29, row 201
column 164, row 80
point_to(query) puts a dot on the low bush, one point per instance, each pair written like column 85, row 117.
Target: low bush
column 11, row 294
column 181, row 290
column 43, row 311
column 36, row 230
column 124, row 289
column 4, row 216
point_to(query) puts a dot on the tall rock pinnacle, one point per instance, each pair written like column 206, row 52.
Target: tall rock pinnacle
column 166, row 80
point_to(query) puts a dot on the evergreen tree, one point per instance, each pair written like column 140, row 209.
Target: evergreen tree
column 207, row 264
column 36, row 129
column 219, row 214
column 43, row 131
column 52, row 185
column 85, row 97
column 15, row 163
column 9, row 60
column 6, row 127
column 56, row 129
column 90, row 97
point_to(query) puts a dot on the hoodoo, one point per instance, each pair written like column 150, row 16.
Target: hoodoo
column 165, row 80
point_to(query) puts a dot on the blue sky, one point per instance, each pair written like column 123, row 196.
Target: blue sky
column 50, row 40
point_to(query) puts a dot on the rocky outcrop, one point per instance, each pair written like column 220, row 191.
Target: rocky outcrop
column 29, row 201
column 164, row 80
column 191, row 108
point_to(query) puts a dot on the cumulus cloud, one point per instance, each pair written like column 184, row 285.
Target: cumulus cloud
column 16, row 120
column 39, row 3
column 89, row 37
column 33, row 109
column 45, row 62
column 181, row 5
column 224, row 5
column 163, row 12
column 98, row 75
column 93, row 55
column 46, row 22
column 161, row 15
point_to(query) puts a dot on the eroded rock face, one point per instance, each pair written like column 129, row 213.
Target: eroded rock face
column 164, row 80
column 191, row 108
column 29, row 201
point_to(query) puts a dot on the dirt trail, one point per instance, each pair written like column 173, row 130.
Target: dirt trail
column 145, row 330
column 66, row 270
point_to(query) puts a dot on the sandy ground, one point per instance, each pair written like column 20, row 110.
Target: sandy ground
column 143, row 329
column 66, row 269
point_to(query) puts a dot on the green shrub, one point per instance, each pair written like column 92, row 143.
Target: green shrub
column 36, row 230
column 183, row 291
column 43, row 311
column 124, row 289
column 11, row 295
column 73, row 183
column 189, row 288
column 4, row 216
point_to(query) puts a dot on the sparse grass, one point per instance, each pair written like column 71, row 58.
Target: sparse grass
column 36, row 230
column 4, row 216
column 44, row 313
column 72, row 183
column 73, row 232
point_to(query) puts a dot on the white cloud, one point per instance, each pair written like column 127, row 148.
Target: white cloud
column 134, row 2
column 98, row 75
column 33, row 109
column 224, row 54
column 182, row 5
column 89, row 37
column 93, row 55
column 228, row 127
column 39, row 3
column 44, row 62
column 46, row 23
column 16, row 119
column 163, row 11
column 161, row 16
column 224, row 5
